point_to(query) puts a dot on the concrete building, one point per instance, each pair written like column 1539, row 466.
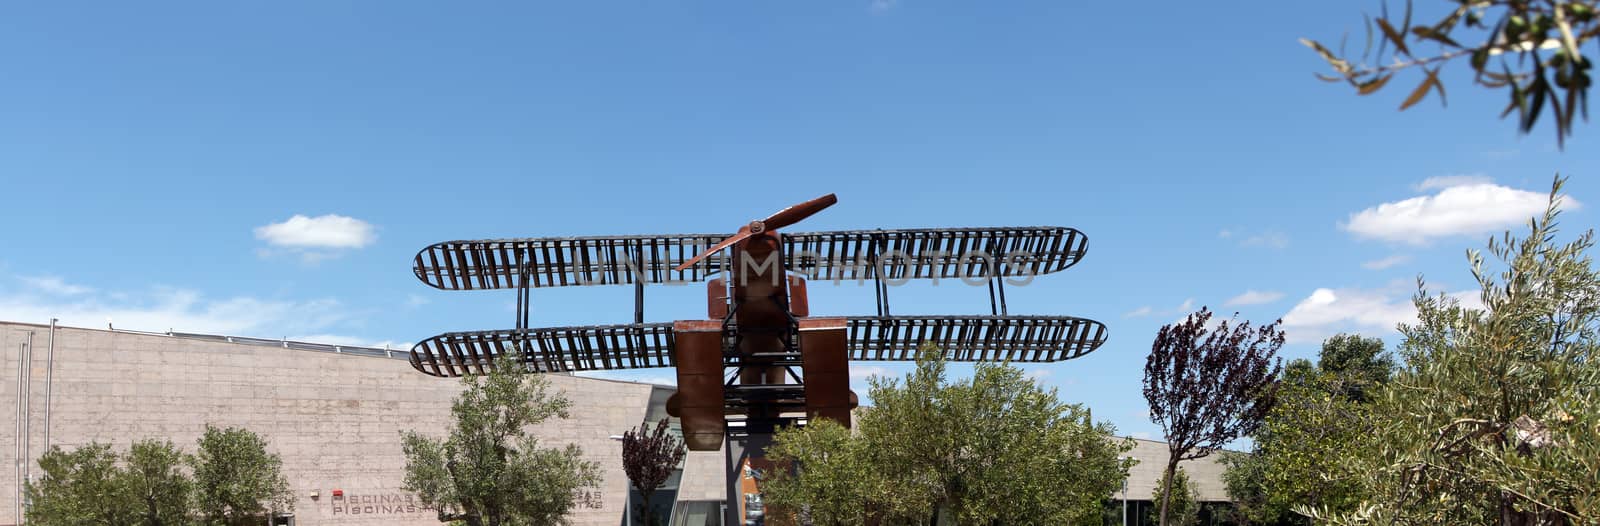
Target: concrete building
column 1205, row 475
column 334, row 414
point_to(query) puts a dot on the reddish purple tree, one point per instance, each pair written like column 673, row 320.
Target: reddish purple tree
column 1208, row 387
column 649, row 458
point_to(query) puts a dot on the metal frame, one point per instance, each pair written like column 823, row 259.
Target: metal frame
column 551, row 349
column 874, row 338
column 850, row 255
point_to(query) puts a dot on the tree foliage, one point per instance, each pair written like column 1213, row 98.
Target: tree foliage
column 996, row 448
column 158, row 488
column 649, row 458
column 237, row 480
column 1532, row 49
column 79, row 488
column 834, row 482
column 490, row 470
column 151, row 484
column 1322, row 415
column 1494, row 415
column 1184, row 503
column 1354, row 366
column 1207, row 387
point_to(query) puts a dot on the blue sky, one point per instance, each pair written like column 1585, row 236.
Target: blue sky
column 146, row 150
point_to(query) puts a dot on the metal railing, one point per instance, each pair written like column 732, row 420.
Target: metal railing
column 282, row 343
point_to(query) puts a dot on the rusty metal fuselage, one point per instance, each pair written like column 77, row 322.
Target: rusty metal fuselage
column 758, row 324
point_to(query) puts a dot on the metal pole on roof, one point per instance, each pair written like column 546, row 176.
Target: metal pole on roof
column 24, row 351
column 49, row 380
column 17, row 448
column 27, row 414
column 1125, row 491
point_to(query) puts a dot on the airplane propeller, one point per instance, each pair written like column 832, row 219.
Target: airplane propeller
column 783, row 218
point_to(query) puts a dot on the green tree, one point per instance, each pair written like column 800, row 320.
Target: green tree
column 1494, row 414
column 996, row 448
column 1184, row 504
column 832, row 482
column 490, row 471
column 155, row 481
column 1322, row 415
column 1530, row 49
column 81, row 487
column 1354, row 365
column 237, row 480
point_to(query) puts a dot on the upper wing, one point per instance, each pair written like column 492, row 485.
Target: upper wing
column 564, row 261
column 926, row 253
column 644, row 345
column 934, row 253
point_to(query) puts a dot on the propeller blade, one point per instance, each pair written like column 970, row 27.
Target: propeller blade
column 783, row 218
column 798, row 213
column 743, row 233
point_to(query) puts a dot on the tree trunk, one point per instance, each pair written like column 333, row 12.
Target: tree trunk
column 644, row 508
column 1166, row 488
column 152, row 517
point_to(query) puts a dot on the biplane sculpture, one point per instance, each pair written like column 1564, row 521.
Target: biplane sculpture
column 737, row 369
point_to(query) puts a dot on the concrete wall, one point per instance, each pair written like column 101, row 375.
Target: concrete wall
column 1205, row 474
column 703, row 477
column 334, row 418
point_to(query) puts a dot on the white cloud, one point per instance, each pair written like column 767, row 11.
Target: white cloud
column 1470, row 209
column 316, row 238
column 866, row 371
column 1254, row 297
column 1183, row 309
column 1269, row 239
column 1380, row 264
column 1038, row 374
column 160, row 309
column 416, row 300
column 1375, row 312
column 53, row 285
column 1328, row 311
column 1440, row 182
column 879, row 6
column 1265, row 238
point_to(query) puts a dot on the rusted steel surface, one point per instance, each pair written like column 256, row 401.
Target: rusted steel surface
column 933, row 253
column 925, row 253
column 975, row 338
column 552, row 349
column 870, row 338
column 780, row 220
column 698, row 402
column 824, row 350
column 563, row 261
